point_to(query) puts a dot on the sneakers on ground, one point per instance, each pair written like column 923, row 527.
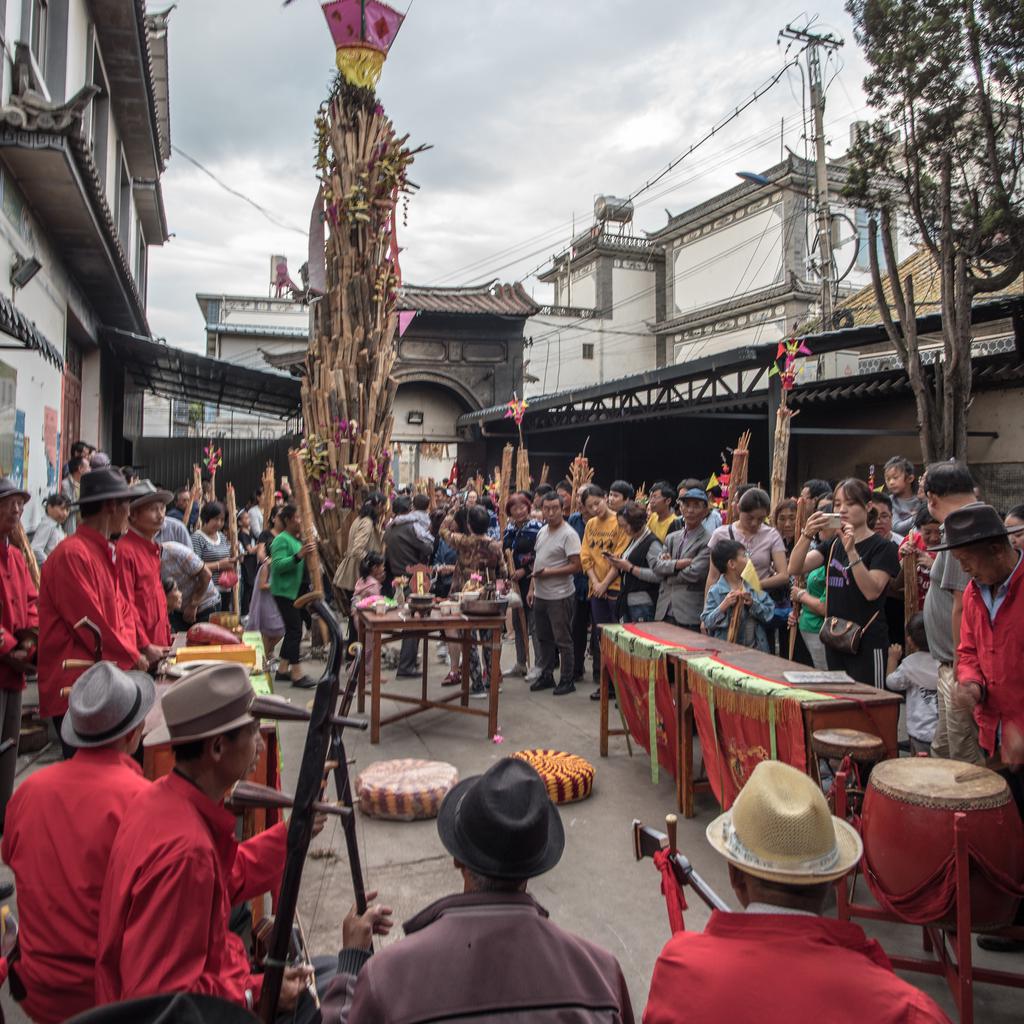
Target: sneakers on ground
column 543, row 683
column 564, row 687
column 533, row 675
column 517, row 671
column 442, row 653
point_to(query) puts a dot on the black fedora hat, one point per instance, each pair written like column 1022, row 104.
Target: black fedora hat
column 8, row 489
column 107, row 484
column 502, row 824
column 973, row 524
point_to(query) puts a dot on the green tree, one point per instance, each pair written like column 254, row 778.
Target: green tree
column 946, row 150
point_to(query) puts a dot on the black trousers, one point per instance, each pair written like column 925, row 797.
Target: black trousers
column 580, row 634
column 292, row 618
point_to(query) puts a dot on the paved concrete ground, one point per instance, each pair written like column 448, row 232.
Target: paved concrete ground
column 597, row 890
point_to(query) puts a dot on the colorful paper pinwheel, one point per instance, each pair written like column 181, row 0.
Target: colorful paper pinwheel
column 785, row 362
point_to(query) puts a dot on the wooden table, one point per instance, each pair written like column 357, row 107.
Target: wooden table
column 856, row 706
column 396, row 625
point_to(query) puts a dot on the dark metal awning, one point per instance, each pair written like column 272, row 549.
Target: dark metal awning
column 16, row 325
column 187, row 376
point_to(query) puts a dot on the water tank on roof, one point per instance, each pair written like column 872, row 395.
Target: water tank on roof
column 611, row 208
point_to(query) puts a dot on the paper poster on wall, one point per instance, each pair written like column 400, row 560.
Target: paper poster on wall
column 8, row 391
column 18, row 460
column 51, row 446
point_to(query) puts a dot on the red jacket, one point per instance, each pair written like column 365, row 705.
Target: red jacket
column 18, row 610
column 781, row 969
column 60, row 826
column 992, row 653
column 138, row 567
column 80, row 579
column 175, row 872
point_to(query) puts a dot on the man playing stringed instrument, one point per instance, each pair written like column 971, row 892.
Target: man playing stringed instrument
column 176, row 868
column 59, row 854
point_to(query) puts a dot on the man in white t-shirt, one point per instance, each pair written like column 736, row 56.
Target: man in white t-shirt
column 552, row 594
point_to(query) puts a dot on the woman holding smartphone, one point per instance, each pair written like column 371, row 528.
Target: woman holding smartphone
column 859, row 567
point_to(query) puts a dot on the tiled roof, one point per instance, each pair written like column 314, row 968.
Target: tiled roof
column 490, row 299
column 927, row 292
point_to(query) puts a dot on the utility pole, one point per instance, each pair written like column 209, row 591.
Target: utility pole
column 813, row 45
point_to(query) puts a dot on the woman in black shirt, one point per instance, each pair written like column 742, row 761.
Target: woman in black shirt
column 860, row 567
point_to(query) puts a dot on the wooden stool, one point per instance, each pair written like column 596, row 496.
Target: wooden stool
column 862, row 748
column 835, row 744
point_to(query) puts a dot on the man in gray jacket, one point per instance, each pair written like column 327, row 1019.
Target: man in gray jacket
column 489, row 953
column 683, row 566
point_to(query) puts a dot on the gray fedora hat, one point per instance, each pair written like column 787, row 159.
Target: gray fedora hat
column 147, row 492
column 8, row 489
column 105, row 704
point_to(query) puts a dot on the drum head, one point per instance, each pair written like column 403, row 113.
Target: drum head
column 936, row 782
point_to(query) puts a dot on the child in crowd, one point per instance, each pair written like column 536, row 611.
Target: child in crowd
column 1015, row 517
column 172, row 593
column 371, row 577
column 917, row 675
column 927, row 533
column 901, row 484
column 730, row 558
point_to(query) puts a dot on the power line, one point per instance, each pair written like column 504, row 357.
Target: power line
column 239, row 195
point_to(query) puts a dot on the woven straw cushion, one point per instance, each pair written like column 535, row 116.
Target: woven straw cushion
column 567, row 776
column 404, row 790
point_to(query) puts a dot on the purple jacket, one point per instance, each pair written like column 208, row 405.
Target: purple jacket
column 478, row 957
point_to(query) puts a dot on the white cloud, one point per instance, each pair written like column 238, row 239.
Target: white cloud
column 533, row 109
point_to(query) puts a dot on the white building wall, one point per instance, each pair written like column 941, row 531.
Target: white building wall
column 745, row 255
column 280, row 316
column 568, row 352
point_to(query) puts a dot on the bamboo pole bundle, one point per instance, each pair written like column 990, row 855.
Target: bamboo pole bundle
column 738, row 473
column 348, row 387
column 21, row 539
column 522, row 469
column 580, row 475
column 780, row 453
column 803, row 513
column 194, row 495
column 231, row 509
column 267, row 497
column 544, row 471
column 505, row 484
column 911, row 596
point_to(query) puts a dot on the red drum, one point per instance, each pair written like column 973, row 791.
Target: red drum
column 907, row 828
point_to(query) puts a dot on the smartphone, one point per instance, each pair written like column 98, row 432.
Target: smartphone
column 835, row 520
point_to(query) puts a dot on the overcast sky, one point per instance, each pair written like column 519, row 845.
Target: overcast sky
column 533, row 108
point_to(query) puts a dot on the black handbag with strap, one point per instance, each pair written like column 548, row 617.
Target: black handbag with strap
column 843, row 635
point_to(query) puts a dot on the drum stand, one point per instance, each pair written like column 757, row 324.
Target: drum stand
column 951, row 949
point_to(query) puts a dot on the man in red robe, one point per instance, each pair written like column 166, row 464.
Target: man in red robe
column 80, row 581
column 176, row 868
column 61, row 825
column 779, row 960
column 138, row 567
column 19, row 624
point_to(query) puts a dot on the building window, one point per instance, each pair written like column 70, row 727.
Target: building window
column 124, row 206
column 99, row 119
column 37, row 37
column 588, row 350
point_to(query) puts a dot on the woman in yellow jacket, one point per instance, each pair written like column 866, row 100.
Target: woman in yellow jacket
column 603, row 536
